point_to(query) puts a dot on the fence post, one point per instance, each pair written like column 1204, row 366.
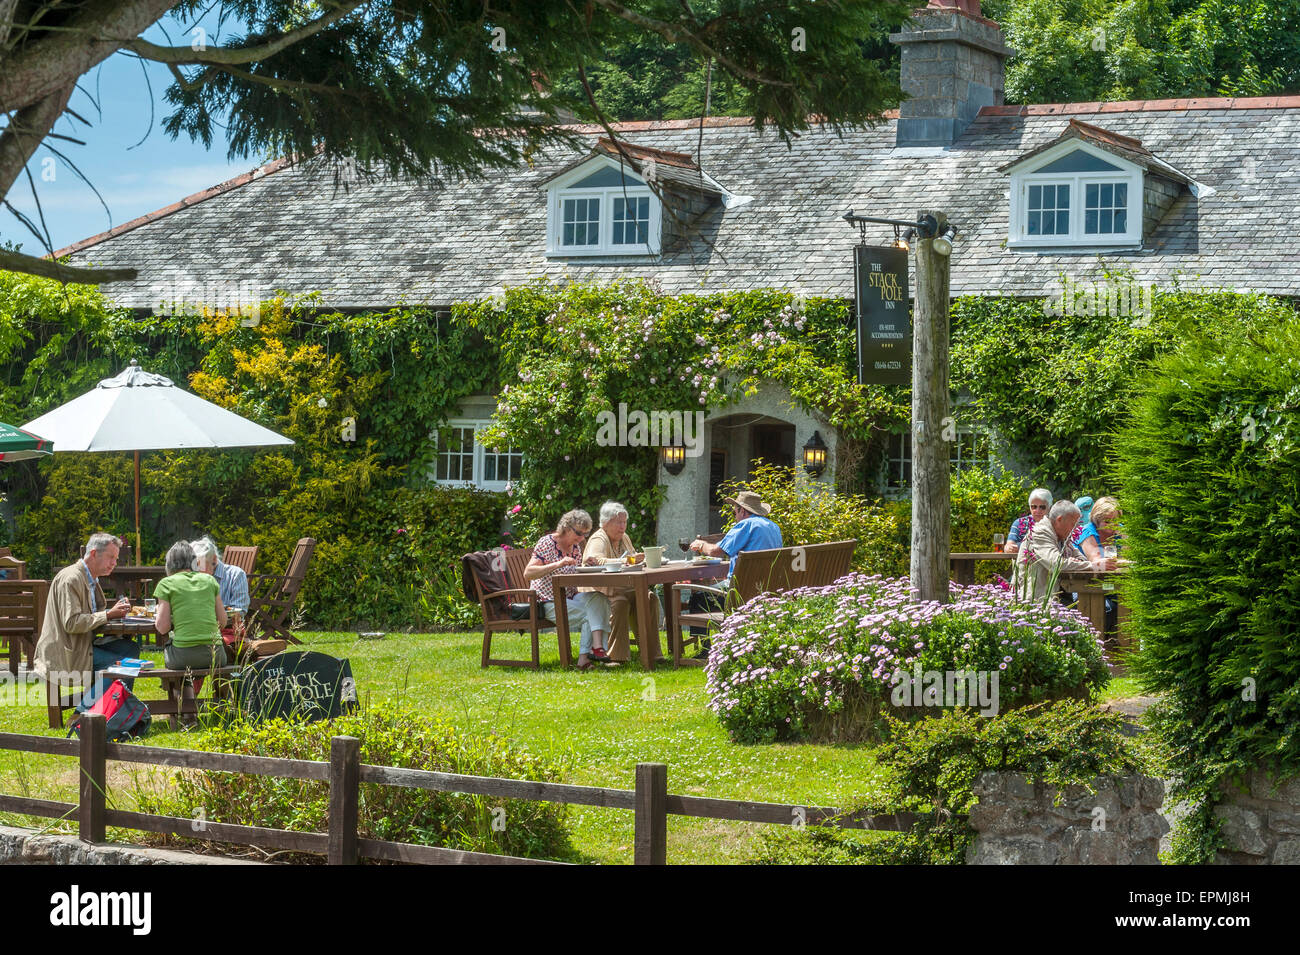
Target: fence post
column 93, row 796
column 345, row 785
column 651, row 814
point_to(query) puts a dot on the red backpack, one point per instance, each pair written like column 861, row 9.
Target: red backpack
column 125, row 714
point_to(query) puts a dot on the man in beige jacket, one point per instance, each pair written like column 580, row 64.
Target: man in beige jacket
column 1048, row 548
column 66, row 654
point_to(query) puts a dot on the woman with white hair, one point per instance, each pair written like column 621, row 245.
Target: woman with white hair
column 1040, row 499
column 560, row 549
column 609, row 542
column 190, row 609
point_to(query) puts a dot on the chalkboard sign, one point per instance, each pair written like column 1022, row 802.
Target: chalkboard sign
column 884, row 329
column 300, row 685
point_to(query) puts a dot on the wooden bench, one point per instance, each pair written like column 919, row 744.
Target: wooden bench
column 174, row 684
column 760, row 572
column 22, row 614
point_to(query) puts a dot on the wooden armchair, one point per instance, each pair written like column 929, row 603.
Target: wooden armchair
column 515, row 609
column 11, row 568
column 245, row 558
column 271, row 597
column 22, row 614
column 760, row 572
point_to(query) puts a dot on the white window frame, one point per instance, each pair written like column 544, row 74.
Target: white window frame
column 559, row 190
column 479, row 460
column 956, row 463
column 1021, row 179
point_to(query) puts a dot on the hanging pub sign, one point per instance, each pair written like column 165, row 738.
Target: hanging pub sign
column 884, row 329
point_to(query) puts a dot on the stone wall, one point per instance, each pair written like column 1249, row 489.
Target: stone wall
column 1260, row 824
column 30, row 847
column 1017, row 823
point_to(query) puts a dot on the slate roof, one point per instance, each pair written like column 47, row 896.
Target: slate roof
column 286, row 227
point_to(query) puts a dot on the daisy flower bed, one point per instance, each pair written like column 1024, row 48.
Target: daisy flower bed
column 826, row 664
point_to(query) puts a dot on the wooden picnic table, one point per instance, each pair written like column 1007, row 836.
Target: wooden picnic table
column 638, row 583
column 132, row 628
column 963, row 565
column 1093, row 587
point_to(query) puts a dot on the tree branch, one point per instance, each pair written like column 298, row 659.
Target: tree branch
column 47, row 268
column 59, row 60
column 25, row 132
column 236, row 56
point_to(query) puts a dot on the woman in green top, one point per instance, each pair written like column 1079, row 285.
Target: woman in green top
column 189, row 607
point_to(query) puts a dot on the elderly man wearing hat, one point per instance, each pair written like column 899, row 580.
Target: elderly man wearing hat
column 752, row 530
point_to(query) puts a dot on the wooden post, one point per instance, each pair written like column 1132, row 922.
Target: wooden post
column 345, row 785
column 139, row 547
column 93, row 800
column 933, row 429
column 651, row 814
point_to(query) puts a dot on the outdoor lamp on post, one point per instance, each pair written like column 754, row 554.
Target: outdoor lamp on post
column 674, row 457
column 814, row 455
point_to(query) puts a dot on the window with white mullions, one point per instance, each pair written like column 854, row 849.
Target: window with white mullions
column 971, row 450
column 455, row 455
column 1105, row 208
column 1049, row 209
column 463, row 459
column 581, row 225
column 631, row 220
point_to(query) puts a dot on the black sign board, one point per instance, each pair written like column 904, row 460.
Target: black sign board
column 300, row 685
column 884, row 329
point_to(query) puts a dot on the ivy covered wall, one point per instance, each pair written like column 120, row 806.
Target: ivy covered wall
column 1056, row 386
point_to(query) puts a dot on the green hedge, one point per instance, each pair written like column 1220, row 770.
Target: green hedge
column 1209, row 465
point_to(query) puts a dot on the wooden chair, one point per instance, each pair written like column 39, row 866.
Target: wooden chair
column 245, row 558
column 519, row 595
column 760, row 572
column 271, row 597
column 22, row 614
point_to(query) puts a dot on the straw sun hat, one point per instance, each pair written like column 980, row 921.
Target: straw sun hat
column 751, row 502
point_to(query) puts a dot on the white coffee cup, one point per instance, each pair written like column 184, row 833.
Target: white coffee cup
column 654, row 556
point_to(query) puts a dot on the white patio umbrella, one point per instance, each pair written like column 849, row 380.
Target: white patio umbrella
column 139, row 411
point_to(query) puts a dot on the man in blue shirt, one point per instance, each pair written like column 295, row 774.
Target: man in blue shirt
column 752, row 530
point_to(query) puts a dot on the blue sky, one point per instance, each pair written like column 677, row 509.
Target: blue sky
column 132, row 179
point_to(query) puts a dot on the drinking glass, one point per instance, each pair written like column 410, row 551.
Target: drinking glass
column 149, row 605
column 1110, row 552
column 685, row 544
column 999, row 541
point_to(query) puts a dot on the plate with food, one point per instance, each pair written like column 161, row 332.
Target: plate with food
column 585, row 569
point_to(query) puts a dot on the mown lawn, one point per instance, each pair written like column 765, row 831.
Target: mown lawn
column 601, row 723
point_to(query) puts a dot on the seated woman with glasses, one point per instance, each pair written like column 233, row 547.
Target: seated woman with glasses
column 1040, row 499
column 558, row 551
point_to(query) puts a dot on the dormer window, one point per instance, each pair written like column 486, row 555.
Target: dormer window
column 1076, row 195
column 602, row 208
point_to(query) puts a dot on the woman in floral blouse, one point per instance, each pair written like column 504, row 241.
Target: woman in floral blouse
column 556, row 551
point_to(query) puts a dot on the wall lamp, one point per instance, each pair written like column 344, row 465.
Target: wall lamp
column 814, row 455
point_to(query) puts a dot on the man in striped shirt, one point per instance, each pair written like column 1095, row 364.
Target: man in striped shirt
column 232, row 580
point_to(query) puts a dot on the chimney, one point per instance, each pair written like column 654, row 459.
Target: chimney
column 953, row 63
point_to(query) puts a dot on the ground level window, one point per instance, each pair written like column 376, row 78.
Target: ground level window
column 462, row 459
column 971, row 450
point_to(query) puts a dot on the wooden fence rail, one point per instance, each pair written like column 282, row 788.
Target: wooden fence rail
column 650, row 802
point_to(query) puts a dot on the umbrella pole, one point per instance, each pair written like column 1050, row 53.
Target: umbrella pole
column 138, row 553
